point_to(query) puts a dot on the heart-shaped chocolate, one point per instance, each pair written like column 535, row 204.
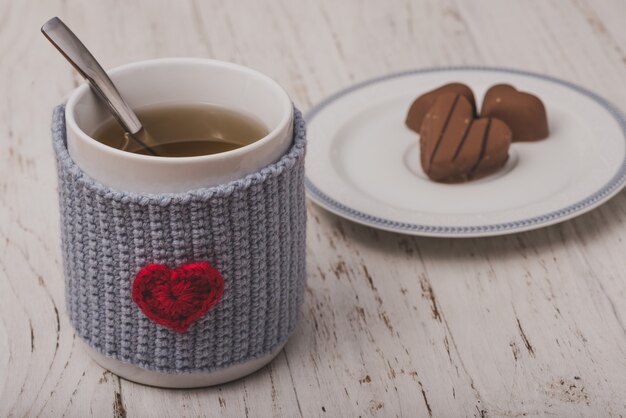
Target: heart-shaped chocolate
column 523, row 112
column 177, row 298
column 455, row 146
column 422, row 104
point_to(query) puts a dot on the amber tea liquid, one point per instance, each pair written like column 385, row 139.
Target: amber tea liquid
column 187, row 130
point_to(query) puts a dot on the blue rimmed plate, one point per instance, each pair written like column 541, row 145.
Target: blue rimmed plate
column 363, row 163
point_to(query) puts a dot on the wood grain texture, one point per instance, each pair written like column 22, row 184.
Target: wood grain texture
column 525, row 325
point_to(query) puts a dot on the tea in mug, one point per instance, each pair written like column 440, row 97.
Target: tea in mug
column 186, row 130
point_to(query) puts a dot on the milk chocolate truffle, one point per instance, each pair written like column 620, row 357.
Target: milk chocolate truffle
column 422, row 104
column 457, row 147
column 523, row 112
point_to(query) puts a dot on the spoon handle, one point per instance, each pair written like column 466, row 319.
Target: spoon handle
column 79, row 56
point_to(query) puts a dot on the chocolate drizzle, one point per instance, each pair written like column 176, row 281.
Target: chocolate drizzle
column 443, row 131
column 483, row 147
column 462, row 141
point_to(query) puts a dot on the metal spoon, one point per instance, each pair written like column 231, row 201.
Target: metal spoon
column 79, row 56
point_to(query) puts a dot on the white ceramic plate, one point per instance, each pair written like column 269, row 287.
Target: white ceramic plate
column 363, row 163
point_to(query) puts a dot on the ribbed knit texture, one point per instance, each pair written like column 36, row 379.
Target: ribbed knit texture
column 251, row 230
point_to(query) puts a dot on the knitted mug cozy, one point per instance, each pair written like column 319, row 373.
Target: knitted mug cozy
column 184, row 282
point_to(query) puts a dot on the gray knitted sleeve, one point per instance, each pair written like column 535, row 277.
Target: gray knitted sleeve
column 251, row 230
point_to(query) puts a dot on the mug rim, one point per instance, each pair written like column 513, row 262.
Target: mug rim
column 84, row 88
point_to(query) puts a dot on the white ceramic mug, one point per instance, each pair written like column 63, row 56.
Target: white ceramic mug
column 180, row 80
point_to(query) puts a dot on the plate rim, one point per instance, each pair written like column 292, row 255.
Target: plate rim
column 602, row 195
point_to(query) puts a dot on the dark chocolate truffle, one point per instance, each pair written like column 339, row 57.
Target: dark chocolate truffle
column 523, row 112
column 422, row 104
column 456, row 147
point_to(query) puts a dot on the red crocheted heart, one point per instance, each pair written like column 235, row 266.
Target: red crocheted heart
column 177, row 298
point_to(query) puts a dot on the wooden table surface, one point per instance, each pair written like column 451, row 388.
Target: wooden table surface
column 523, row 325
